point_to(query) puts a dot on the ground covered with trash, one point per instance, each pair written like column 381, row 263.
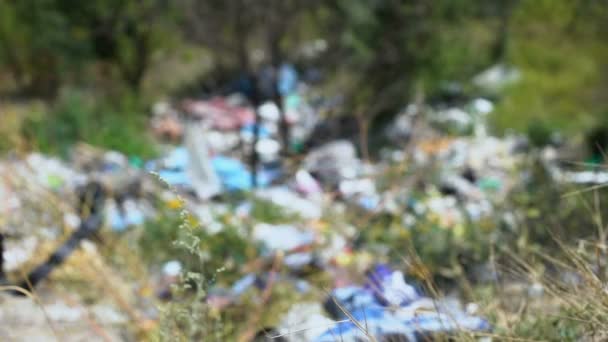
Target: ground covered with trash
column 437, row 235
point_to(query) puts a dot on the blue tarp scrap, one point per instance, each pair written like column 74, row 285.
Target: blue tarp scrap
column 233, row 174
column 381, row 322
column 388, row 306
column 288, row 79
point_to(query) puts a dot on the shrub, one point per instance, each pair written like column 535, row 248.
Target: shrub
column 118, row 126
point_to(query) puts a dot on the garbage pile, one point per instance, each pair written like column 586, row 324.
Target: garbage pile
column 470, row 174
column 218, row 134
column 447, row 181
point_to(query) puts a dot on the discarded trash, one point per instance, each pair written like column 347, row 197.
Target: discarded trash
column 388, row 306
column 220, row 114
column 304, row 322
column 333, row 162
column 284, row 238
column 268, row 149
column 306, row 184
column 441, row 182
column 288, row 79
column 496, row 77
column 201, row 173
column 293, row 203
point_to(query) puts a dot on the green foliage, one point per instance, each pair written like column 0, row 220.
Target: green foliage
column 37, row 45
column 546, row 213
column 180, row 237
column 539, row 327
column 47, row 43
column 116, row 126
column 189, row 318
column 557, row 45
column 209, row 260
column 156, row 242
column 397, row 45
column 539, row 133
column 266, row 211
column 531, row 218
column 385, row 48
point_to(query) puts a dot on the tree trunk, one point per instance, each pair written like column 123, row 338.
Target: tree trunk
column 276, row 57
column 500, row 48
column 133, row 71
column 255, row 102
column 363, row 135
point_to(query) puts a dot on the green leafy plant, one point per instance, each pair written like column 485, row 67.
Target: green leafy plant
column 75, row 118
